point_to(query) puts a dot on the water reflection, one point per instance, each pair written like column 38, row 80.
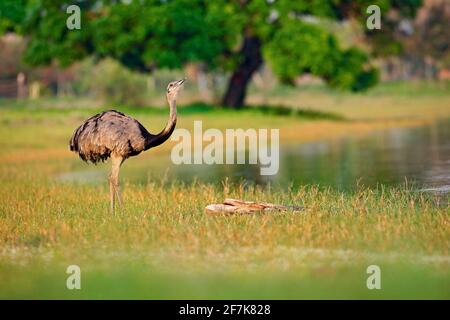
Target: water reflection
column 419, row 155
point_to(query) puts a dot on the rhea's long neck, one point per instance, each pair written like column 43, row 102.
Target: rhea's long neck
column 156, row 140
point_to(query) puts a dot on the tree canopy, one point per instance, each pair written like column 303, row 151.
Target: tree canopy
column 234, row 36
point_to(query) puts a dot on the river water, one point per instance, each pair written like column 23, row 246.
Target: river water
column 418, row 155
column 395, row 156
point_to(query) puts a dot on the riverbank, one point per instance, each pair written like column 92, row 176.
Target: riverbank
column 164, row 246
column 310, row 120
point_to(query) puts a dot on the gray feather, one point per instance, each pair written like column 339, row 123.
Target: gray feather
column 109, row 132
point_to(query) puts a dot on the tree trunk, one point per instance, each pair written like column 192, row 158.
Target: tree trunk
column 251, row 60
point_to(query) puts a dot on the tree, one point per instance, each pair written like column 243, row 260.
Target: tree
column 432, row 33
column 12, row 14
column 235, row 36
column 418, row 43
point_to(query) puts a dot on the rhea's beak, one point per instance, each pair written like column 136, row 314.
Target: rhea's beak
column 180, row 82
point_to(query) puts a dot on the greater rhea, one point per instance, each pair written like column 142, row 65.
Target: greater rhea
column 112, row 134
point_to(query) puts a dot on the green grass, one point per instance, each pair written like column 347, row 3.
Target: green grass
column 165, row 246
column 420, row 88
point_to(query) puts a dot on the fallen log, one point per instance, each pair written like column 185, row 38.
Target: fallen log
column 233, row 206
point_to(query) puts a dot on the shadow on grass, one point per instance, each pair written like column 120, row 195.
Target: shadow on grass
column 41, row 107
column 274, row 110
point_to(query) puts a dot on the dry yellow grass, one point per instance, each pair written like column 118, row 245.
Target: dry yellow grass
column 164, row 246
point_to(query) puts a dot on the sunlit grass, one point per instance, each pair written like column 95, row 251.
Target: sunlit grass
column 165, row 234
column 165, row 246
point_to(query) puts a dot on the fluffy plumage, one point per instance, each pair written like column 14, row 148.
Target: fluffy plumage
column 109, row 132
column 112, row 134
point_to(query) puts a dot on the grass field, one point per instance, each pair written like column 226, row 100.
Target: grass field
column 164, row 246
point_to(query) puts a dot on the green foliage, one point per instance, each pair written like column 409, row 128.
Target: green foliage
column 407, row 7
column 111, row 82
column 141, row 35
column 305, row 48
column 432, row 35
column 386, row 42
column 148, row 34
column 12, row 13
column 352, row 72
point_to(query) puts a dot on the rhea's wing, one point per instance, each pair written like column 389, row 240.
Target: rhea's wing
column 108, row 132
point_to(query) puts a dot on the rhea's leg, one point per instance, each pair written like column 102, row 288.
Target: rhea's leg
column 119, row 197
column 116, row 163
column 111, row 193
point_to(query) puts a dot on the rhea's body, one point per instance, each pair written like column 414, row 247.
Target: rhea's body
column 112, row 134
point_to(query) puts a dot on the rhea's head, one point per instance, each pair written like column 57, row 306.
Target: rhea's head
column 173, row 88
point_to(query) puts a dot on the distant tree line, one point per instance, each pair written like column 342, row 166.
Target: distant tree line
column 234, row 37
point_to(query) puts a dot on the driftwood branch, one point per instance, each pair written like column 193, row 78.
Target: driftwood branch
column 232, row 206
